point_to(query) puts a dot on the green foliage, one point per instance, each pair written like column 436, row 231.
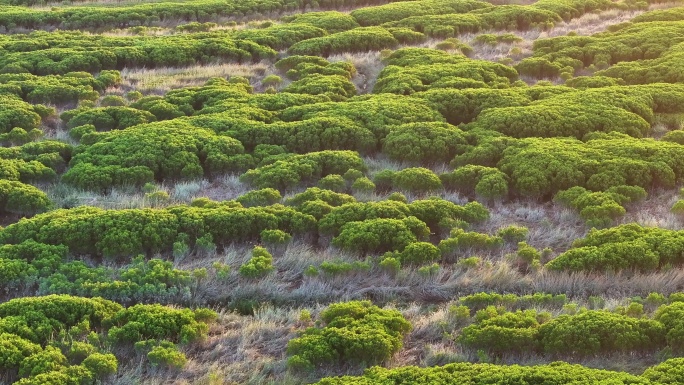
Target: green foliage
column 501, row 333
column 597, row 332
column 486, row 182
column 433, row 211
column 481, row 374
column 166, row 356
column 400, row 10
column 411, row 70
column 460, row 240
column 671, row 318
column 331, row 21
column 513, row 233
column 259, row 265
column 334, row 86
column 480, row 301
column 64, row 52
column 417, row 253
column 423, row 143
column 120, row 233
column 143, row 322
column 355, row 40
column 355, row 332
column 542, row 167
column 417, row 180
column 263, row 197
column 100, row 364
column 376, row 113
column 14, row 349
column 333, row 182
column 139, row 155
column 600, row 209
column 623, row 247
column 275, row 237
column 667, row 372
column 380, row 235
column 141, row 281
column 363, row 185
column 20, row 198
column 48, row 360
column 108, row 118
column 296, row 169
column 313, row 194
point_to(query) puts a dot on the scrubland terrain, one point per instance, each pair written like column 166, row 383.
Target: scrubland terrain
column 341, row 192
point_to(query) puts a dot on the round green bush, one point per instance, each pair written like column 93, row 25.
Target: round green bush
column 416, row 180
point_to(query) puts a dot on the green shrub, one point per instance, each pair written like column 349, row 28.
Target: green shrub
column 138, row 155
column 275, row 237
column 142, row 322
column 667, row 372
column 263, row 197
column 429, row 142
column 259, row 265
column 363, row 185
column 460, row 239
column 417, row 180
column 297, row 169
column 599, row 209
column 166, row 356
column 331, row 21
column 417, row 253
column 481, row 374
column 355, row 332
column 600, row 332
column 108, row 118
column 355, row 40
column 380, row 235
column 623, row 247
column 503, row 333
column 50, row 359
column 334, row 86
column 513, row 233
column 333, row 182
column 101, row 365
column 14, row 350
column 20, row 198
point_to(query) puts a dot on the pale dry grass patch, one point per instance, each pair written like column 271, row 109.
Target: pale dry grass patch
column 623, row 284
column 654, row 211
column 368, row 66
column 549, row 225
column 225, row 187
column 124, row 197
column 162, row 80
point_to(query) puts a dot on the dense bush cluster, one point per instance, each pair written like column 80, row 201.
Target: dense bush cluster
column 601, row 208
column 55, row 53
column 542, row 167
column 121, row 233
column 85, row 17
column 435, row 20
column 355, row 40
column 335, row 133
column 628, row 246
column 139, row 155
column 638, row 53
column 59, row 339
column 481, row 374
column 20, row 198
column 355, row 332
column 411, row 70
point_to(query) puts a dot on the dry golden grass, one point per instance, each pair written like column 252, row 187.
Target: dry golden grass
column 161, row 80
